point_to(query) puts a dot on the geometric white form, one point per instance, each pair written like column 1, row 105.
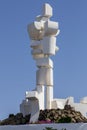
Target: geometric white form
column 42, row 33
column 44, row 76
column 49, row 45
column 45, row 62
column 47, row 10
column 34, row 30
column 84, row 100
column 51, row 28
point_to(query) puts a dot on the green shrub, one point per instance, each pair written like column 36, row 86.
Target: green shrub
column 49, row 128
column 65, row 120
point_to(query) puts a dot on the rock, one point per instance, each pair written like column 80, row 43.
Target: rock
column 68, row 114
column 16, row 119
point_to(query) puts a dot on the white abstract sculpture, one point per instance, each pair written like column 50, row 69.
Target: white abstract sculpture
column 42, row 33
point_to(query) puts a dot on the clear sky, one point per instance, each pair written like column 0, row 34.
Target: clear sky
column 17, row 68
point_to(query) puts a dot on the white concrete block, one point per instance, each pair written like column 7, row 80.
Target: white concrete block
column 82, row 108
column 36, row 51
column 44, row 76
column 51, row 28
column 44, row 62
column 30, row 107
column 36, row 44
column 31, row 94
column 49, row 45
column 35, row 30
column 58, row 103
column 84, row 100
column 47, row 10
column 25, row 108
column 70, row 100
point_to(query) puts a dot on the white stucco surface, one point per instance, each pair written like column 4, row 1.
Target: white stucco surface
column 71, row 126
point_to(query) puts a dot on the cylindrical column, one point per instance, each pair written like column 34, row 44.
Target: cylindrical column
column 40, row 90
column 49, row 96
column 44, row 76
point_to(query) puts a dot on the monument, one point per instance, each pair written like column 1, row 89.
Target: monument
column 42, row 33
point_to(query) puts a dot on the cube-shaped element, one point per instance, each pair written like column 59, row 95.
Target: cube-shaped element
column 35, row 30
column 44, row 62
column 49, row 45
column 31, row 95
column 36, row 44
column 47, row 10
column 51, row 28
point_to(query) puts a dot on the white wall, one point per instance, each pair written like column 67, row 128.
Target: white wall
column 82, row 108
column 68, row 126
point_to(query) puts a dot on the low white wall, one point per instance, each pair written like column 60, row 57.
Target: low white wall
column 68, row 126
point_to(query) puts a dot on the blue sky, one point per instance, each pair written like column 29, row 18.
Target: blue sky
column 17, row 68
